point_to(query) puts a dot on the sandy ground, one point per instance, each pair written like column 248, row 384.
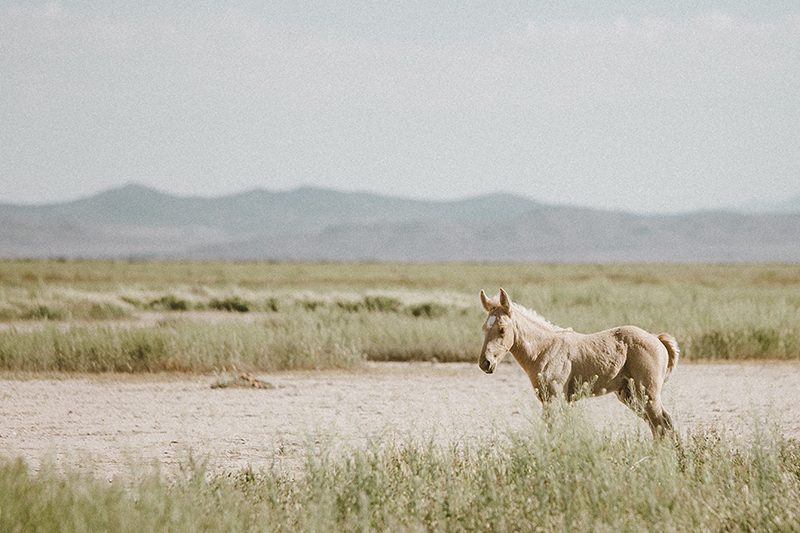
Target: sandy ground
column 110, row 424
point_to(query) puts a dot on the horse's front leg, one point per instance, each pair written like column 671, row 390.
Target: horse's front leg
column 552, row 394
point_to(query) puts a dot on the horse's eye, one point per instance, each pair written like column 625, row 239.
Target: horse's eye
column 502, row 331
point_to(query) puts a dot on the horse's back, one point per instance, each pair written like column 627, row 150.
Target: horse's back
column 600, row 357
column 633, row 335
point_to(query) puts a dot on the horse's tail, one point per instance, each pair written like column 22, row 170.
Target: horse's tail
column 673, row 352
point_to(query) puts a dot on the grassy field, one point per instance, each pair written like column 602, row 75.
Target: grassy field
column 151, row 316
column 560, row 476
column 563, row 475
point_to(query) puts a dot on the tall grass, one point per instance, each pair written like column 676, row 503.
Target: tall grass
column 315, row 315
column 285, row 342
column 565, row 476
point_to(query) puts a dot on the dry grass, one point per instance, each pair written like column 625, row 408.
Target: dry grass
column 96, row 316
column 560, row 476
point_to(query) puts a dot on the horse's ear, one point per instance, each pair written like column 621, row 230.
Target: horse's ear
column 487, row 304
column 505, row 302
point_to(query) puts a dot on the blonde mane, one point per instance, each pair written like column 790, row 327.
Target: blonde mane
column 536, row 317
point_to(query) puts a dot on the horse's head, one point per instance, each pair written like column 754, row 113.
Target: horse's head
column 498, row 331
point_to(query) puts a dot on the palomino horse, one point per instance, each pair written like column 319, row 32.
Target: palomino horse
column 626, row 360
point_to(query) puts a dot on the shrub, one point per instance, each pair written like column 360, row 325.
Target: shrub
column 311, row 305
column 350, row 307
column 233, row 303
column 271, row 304
column 135, row 302
column 106, row 311
column 382, row 303
column 428, row 310
column 43, row 312
column 169, row 302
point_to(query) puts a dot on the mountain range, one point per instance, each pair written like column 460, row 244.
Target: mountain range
column 319, row 224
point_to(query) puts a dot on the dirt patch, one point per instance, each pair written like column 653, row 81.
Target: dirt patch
column 109, row 423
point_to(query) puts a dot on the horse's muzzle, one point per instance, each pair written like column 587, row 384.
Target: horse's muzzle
column 486, row 366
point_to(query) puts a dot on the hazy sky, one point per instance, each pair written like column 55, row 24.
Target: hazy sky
column 643, row 106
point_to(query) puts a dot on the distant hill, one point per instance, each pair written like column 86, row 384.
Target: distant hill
column 792, row 205
column 319, row 224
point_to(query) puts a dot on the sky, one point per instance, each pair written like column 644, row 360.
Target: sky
column 642, row 106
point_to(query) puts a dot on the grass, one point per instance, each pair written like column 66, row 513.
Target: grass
column 180, row 345
column 93, row 315
column 131, row 316
column 560, row 476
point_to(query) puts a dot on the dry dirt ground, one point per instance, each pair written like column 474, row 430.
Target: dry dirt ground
column 111, row 424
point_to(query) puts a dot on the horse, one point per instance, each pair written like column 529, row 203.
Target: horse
column 625, row 360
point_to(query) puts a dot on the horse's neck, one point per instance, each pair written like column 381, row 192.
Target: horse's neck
column 531, row 338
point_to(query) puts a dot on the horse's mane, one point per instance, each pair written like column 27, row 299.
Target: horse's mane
column 536, row 317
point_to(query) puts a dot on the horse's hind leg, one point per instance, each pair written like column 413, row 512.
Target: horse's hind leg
column 647, row 404
column 667, row 419
column 659, row 419
column 628, row 395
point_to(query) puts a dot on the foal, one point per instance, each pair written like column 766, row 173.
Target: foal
column 625, row 360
